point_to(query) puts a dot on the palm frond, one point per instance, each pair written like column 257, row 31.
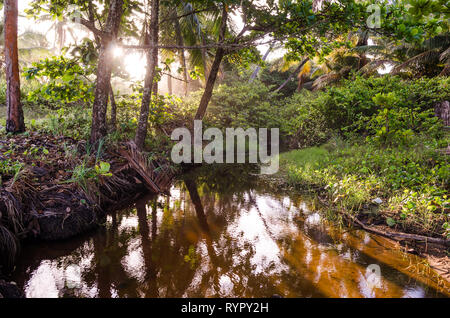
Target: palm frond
column 426, row 56
column 373, row 65
column 325, row 80
column 445, row 55
column 156, row 175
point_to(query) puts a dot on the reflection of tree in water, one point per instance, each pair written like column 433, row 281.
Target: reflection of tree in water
column 221, row 258
column 195, row 245
column 109, row 248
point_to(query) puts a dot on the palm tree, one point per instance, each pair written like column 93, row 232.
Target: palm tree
column 185, row 27
column 14, row 120
column 431, row 58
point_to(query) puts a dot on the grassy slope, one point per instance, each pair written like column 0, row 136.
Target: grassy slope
column 411, row 182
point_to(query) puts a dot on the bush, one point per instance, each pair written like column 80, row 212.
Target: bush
column 241, row 105
column 350, row 107
column 303, row 122
column 387, row 109
column 412, row 180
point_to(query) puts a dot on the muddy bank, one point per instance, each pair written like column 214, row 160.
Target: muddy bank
column 60, row 188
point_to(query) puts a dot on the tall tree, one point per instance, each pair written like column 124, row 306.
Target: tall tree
column 14, row 117
column 104, row 69
column 220, row 53
column 181, row 54
column 152, row 62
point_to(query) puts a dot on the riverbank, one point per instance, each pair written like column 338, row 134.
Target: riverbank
column 189, row 243
column 399, row 192
column 54, row 187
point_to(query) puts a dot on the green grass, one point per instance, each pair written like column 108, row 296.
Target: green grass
column 412, row 181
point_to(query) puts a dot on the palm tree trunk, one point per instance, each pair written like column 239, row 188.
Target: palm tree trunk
column 292, row 75
column 204, row 58
column 104, row 68
column 169, row 84
column 152, row 61
column 182, row 57
column 220, row 53
column 258, row 68
column 206, row 97
column 363, row 40
column 14, row 117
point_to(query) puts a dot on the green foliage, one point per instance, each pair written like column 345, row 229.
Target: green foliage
column 72, row 122
column 411, row 180
column 128, row 106
column 303, row 122
column 241, row 105
column 351, row 108
column 83, row 173
column 9, row 169
column 66, row 81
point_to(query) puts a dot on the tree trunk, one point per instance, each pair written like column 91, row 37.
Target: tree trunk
column 204, row 58
column 220, row 53
column 442, row 110
column 292, row 75
column 181, row 55
column 256, row 71
column 152, row 61
column 112, row 100
column 104, row 68
column 363, row 40
column 206, row 97
column 14, row 114
column 301, row 81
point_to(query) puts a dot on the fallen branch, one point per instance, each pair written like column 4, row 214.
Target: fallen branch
column 399, row 235
column 396, row 236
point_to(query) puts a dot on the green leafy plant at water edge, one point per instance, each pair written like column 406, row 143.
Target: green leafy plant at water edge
column 410, row 181
column 10, row 168
column 82, row 173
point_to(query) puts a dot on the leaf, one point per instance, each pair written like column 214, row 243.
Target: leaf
column 390, row 221
column 104, row 167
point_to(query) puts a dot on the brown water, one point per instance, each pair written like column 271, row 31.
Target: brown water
column 223, row 234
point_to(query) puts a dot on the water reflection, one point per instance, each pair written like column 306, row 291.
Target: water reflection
column 221, row 234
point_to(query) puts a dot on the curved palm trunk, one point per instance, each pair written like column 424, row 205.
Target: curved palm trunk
column 299, row 67
column 204, row 58
column 104, row 68
column 152, row 61
column 206, row 97
column 258, row 68
column 14, row 117
column 182, row 57
column 220, row 53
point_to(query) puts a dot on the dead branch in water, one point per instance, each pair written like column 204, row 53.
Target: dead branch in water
column 396, row 236
column 399, row 235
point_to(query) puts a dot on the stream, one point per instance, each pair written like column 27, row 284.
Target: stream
column 223, row 233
